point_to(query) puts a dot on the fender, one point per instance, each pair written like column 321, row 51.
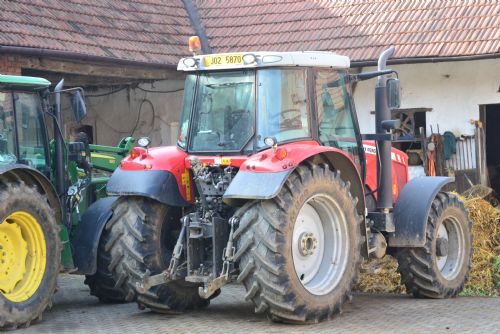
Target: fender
column 412, row 209
column 158, row 173
column 262, row 175
column 87, row 234
column 33, row 177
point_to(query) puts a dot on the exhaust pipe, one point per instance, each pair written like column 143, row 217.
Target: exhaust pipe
column 383, row 113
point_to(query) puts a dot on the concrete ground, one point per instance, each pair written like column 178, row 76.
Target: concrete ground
column 75, row 311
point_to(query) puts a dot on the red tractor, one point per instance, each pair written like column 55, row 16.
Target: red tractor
column 272, row 185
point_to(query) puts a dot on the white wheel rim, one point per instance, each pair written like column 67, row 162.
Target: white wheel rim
column 451, row 263
column 320, row 244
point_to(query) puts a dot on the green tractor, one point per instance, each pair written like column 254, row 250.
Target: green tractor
column 45, row 187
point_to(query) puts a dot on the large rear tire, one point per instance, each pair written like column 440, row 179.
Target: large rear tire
column 440, row 269
column 30, row 255
column 143, row 233
column 102, row 283
column 299, row 253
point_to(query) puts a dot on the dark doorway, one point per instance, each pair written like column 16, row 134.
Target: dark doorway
column 491, row 118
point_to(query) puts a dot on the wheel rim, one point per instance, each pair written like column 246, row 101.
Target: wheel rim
column 320, row 244
column 450, row 243
column 22, row 256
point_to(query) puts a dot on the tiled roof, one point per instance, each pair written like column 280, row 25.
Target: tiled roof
column 358, row 29
column 156, row 31
column 151, row 31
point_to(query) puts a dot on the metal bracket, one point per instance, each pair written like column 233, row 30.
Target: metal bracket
column 211, row 287
column 149, row 281
column 382, row 221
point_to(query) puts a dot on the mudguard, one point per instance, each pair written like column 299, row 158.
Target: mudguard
column 87, row 234
column 31, row 177
column 160, row 185
column 251, row 185
column 412, row 209
column 262, row 175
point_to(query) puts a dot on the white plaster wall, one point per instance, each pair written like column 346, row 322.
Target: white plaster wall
column 453, row 89
column 115, row 116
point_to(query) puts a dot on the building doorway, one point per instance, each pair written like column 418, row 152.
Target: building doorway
column 490, row 116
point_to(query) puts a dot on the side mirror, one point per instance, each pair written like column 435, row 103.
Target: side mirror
column 78, row 106
column 393, row 93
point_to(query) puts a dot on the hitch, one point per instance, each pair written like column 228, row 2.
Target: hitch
column 147, row 281
column 212, row 286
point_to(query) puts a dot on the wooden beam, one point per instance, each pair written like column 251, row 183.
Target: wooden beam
column 100, row 70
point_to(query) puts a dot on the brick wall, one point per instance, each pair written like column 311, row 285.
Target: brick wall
column 11, row 64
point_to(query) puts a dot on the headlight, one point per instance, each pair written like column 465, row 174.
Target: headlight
column 249, row 59
column 189, row 62
column 144, row 142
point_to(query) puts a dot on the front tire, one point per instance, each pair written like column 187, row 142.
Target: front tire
column 30, row 255
column 143, row 233
column 440, row 269
column 299, row 253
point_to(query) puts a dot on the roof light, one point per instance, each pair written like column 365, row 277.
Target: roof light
column 270, row 141
column 189, row 62
column 194, row 44
column 249, row 59
column 271, row 59
column 144, row 142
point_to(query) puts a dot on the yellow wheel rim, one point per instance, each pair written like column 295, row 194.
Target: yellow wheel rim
column 22, row 256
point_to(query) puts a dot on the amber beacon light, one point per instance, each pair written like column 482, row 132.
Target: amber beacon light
column 194, row 44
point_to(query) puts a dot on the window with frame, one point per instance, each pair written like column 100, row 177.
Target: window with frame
column 30, row 131
column 335, row 116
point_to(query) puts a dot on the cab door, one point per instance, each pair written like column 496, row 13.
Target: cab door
column 337, row 125
column 31, row 132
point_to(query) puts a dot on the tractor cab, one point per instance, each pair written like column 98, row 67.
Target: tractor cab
column 23, row 136
column 243, row 103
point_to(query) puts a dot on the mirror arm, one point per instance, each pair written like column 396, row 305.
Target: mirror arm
column 369, row 75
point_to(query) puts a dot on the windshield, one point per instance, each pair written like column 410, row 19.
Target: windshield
column 7, row 130
column 223, row 117
column 218, row 112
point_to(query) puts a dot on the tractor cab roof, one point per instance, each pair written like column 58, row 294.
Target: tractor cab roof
column 22, row 82
column 239, row 60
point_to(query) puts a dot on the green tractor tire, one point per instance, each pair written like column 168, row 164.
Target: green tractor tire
column 30, row 252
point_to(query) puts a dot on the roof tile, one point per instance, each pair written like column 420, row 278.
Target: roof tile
column 155, row 31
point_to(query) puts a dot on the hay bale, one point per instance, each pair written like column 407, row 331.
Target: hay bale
column 380, row 276
column 486, row 230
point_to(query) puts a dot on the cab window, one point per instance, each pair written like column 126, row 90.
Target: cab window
column 30, row 130
column 335, row 115
column 7, row 130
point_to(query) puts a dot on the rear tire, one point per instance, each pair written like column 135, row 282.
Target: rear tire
column 440, row 269
column 291, row 274
column 102, row 283
column 143, row 233
column 30, row 255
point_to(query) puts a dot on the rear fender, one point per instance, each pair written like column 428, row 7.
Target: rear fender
column 159, row 173
column 412, row 209
column 32, row 177
column 263, row 175
column 85, row 241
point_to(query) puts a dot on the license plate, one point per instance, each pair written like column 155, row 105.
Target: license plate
column 223, row 60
